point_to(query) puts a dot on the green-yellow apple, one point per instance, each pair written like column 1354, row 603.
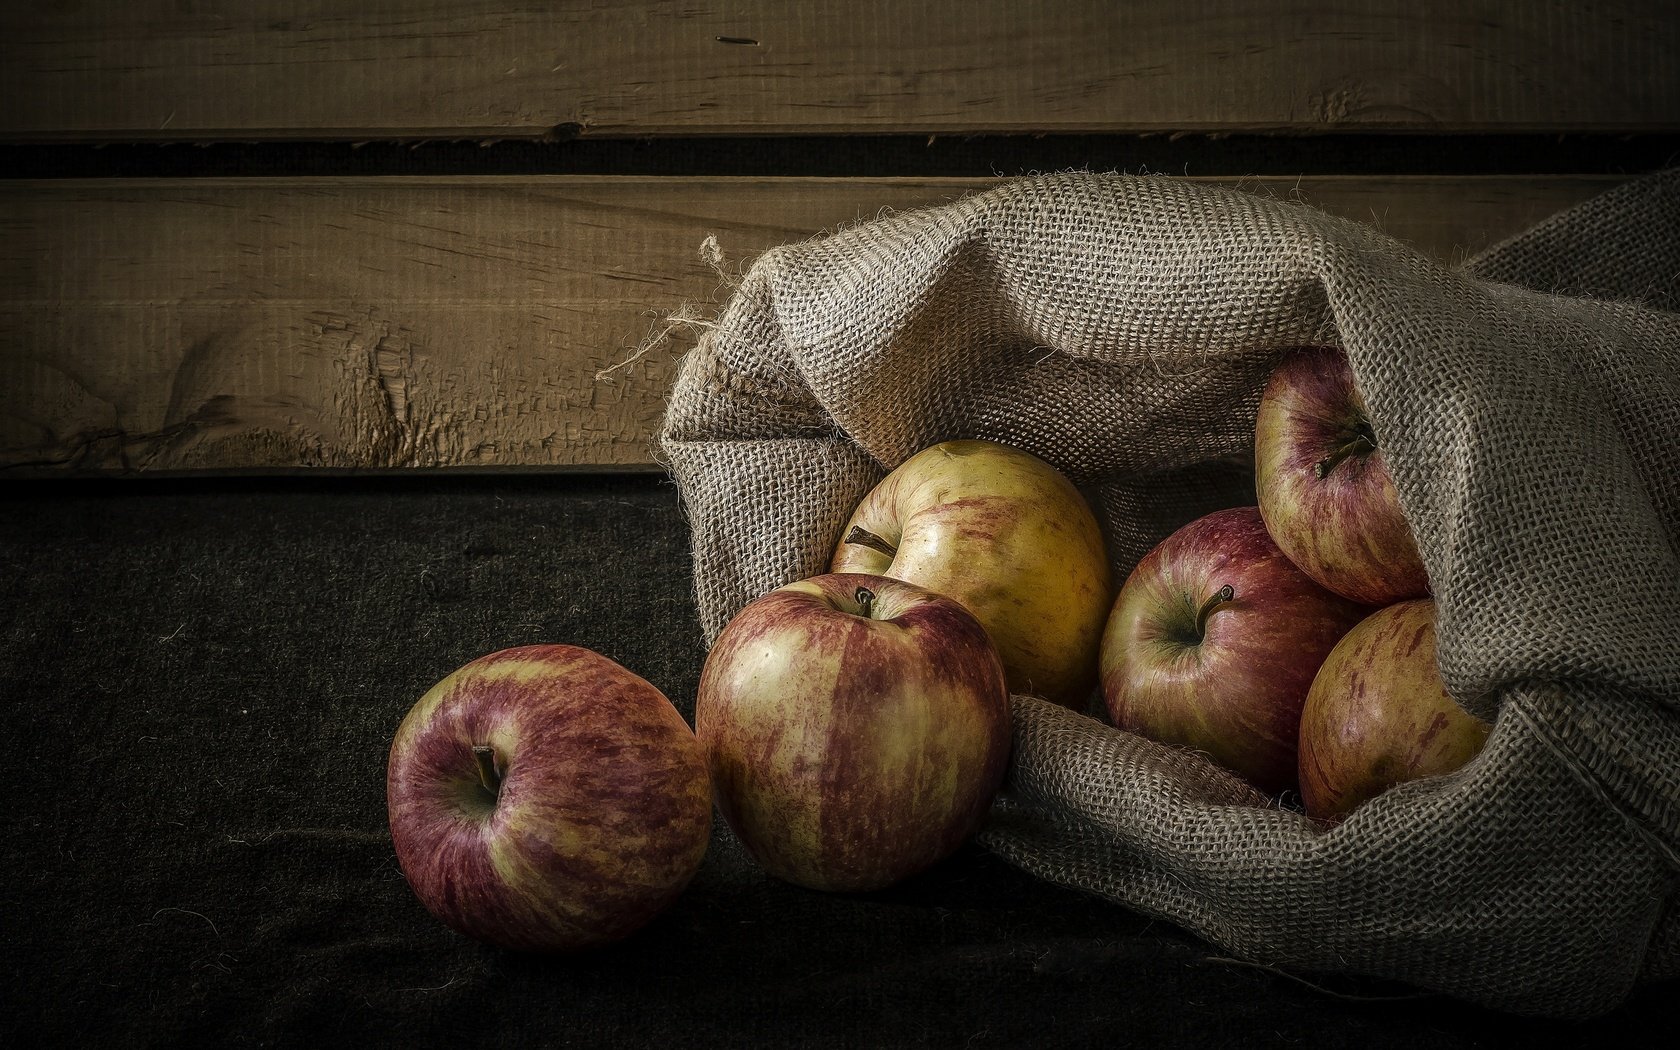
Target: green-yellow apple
column 1323, row 483
column 1378, row 714
column 1011, row 538
column 856, row 728
column 1213, row 643
column 545, row 798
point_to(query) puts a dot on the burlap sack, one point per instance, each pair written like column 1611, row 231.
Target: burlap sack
column 1121, row 328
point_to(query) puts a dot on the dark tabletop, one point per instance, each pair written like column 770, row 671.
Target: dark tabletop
column 202, row 679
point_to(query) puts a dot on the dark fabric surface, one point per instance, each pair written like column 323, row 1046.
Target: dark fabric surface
column 201, row 680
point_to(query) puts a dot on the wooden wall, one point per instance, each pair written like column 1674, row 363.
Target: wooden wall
column 271, row 322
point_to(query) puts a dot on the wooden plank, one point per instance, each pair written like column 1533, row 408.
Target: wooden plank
column 164, row 69
column 277, row 324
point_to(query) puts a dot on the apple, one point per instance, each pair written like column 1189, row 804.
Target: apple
column 1007, row 535
column 856, row 728
column 1378, row 715
column 1323, row 484
column 544, row 798
column 1213, row 643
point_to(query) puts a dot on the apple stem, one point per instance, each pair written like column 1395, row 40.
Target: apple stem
column 864, row 538
column 1364, row 441
column 1220, row 597
column 488, row 774
column 865, row 598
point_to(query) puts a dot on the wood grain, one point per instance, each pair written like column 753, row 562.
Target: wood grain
column 362, row 323
column 208, row 69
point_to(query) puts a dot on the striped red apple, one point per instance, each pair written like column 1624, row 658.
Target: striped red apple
column 1011, row 538
column 544, row 798
column 1323, row 483
column 1379, row 715
column 856, row 728
column 1213, row 643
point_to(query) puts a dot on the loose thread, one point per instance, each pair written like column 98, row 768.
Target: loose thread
column 711, row 253
column 687, row 317
column 1319, row 988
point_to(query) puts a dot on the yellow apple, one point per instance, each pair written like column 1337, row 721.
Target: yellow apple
column 1008, row 536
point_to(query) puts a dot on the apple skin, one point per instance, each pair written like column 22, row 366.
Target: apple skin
column 1378, row 714
column 601, row 817
column 1011, row 538
column 1323, row 483
column 852, row 745
column 1233, row 687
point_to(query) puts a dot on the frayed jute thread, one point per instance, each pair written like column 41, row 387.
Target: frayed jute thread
column 686, row 318
column 1276, row 971
column 711, row 253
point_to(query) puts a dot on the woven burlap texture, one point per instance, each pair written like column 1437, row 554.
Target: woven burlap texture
column 1121, row 327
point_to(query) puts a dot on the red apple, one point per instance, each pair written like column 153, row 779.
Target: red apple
column 856, row 728
column 544, row 798
column 1213, row 643
column 1007, row 535
column 1323, row 485
column 1378, row 714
